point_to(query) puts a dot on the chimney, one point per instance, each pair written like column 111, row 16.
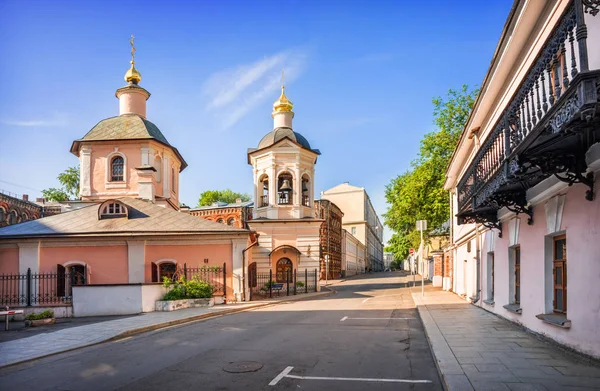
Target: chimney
column 238, row 200
column 25, row 197
column 145, row 183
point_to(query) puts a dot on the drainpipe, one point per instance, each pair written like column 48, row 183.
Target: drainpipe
column 479, row 269
column 244, row 264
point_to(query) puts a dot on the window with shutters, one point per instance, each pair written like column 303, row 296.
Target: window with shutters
column 559, row 274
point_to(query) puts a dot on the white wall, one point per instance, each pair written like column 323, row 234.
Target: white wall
column 100, row 300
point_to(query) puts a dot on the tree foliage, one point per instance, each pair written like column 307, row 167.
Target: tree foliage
column 208, row 197
column 69, row 190
column 418, row 194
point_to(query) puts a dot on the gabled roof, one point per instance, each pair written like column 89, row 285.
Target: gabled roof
column 126, row 127
column 145, row 218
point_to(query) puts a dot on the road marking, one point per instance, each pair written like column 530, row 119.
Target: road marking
column 283, row 374
column 377, row 297
column 345, row 318
column 286, row 371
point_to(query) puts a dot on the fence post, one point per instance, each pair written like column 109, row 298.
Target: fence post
column 28, row 288
column 295, row 277
column 288, row 277
column 270, row 282
column 224, row 282
column 185, row 271
column 305, row 280
column 316, row 280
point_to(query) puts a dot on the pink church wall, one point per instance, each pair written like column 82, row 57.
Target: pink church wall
column 99, row 155
column 9, row 260
column 106, row 264
column 193, row 256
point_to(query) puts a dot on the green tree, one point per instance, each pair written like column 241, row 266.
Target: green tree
column 229, row 196
column 69, row 180
column 418, row 194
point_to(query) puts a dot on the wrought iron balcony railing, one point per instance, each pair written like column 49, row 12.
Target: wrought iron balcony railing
column 557, row 91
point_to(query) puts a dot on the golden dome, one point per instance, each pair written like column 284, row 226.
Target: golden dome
column 283, row 104
column 132, row 75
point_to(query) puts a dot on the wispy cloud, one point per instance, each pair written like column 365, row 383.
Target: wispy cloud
column 242, row 88
column 57, row 119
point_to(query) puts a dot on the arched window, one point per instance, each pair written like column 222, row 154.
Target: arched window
column 24, row 217
column 263, row 191
column 112, row 209
column 284, row 270
column 173, row 188
column 158, row 168
column 116, row 169
column 305, row 190
column 166, row 269
column 78, row 275
column 2, row 216
column 231, row 222
column 220, row 221
column 12, row 218
column 285, row 185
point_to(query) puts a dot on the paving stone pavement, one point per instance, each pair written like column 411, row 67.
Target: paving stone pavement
column 477, row 350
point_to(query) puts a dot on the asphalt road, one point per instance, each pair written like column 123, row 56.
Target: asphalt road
column 366, row 336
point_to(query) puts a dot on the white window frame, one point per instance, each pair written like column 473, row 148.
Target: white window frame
column 108, row 171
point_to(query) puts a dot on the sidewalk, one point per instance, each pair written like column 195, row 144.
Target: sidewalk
column 477, row 350
column 53, row 342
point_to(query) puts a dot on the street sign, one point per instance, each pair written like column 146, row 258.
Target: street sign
column 421, row 225
column 411, row 251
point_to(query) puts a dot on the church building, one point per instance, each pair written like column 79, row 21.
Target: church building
column 284, row 217
column 131, row 230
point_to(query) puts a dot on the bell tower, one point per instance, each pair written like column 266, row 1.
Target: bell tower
column 284, row 168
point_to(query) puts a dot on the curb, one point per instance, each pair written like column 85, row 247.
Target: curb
column 465, row 384
column 140, row 330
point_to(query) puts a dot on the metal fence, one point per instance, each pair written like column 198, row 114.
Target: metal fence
column 214, row 275
column 292, row 282
column 38, row 288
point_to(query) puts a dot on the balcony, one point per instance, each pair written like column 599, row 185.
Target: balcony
column 545, row 129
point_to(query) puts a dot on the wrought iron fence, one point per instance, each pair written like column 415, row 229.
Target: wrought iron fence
column 267, row 284
column 38, row 288
column 214, row 275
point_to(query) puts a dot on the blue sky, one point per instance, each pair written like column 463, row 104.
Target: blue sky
column 361, row 76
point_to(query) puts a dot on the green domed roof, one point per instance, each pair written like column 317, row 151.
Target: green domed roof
column 125, row 127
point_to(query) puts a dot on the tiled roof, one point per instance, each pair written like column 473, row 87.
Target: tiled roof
column 125, row 127
column 144, row 218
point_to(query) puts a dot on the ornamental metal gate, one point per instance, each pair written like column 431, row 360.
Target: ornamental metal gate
column 285, row 282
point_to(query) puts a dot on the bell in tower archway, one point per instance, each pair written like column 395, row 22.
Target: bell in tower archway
column 285, row 186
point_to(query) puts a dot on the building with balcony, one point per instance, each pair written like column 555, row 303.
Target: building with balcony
column 524, row 233
column 361, row 220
